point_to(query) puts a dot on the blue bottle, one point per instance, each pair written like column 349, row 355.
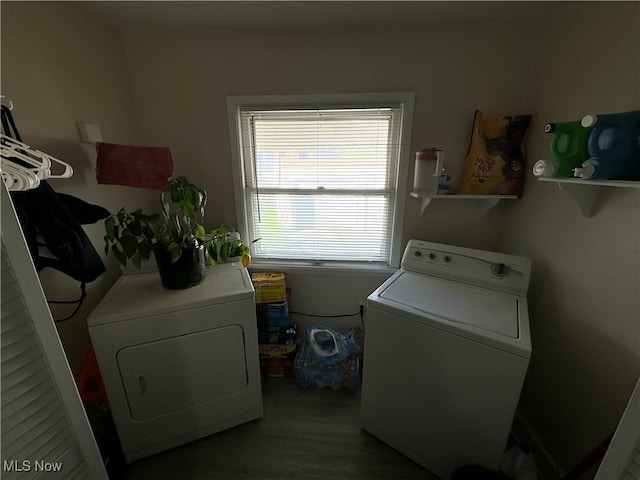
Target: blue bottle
column 614, row 147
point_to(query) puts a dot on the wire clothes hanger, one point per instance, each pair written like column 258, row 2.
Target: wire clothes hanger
column 18, row 178
column 22, row 167
column 37, row 160
column 10, row 107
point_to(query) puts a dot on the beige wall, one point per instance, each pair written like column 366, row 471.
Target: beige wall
column 181, row 80
column 61, row 67
column 584, row 303
column 171, row 89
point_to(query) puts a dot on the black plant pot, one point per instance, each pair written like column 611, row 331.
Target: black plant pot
column 188, row 271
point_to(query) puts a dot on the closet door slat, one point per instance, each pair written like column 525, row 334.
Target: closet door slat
column 45, row 430
column 34, row 424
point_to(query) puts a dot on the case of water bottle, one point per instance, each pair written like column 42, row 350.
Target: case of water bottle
column 344, row 375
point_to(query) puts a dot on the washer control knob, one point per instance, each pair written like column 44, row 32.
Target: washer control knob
column 417, row 254
column 432, row 256
column 447, row 259
column 500, row 269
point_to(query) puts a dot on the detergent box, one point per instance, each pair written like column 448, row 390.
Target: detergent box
column 269, row 286
column 277, row 314
column 276, row 360
column 278, row 335
column 274, row 314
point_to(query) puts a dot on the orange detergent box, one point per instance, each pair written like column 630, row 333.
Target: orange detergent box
column 269, row 286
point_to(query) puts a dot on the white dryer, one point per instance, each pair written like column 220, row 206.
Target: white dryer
column 178, row 364
column 446, row 352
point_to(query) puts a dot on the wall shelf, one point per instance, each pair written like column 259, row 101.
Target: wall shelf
column 585, row 192
column 485, row 202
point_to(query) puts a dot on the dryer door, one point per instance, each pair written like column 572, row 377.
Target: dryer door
column 183, row 372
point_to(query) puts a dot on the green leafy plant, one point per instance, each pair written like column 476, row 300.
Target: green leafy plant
column 224, row 243
column 179, row 230
column 132, row 236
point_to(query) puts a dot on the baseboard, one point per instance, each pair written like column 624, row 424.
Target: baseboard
column 548, row 468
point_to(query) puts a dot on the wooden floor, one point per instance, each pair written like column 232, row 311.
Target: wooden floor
column 304, row 434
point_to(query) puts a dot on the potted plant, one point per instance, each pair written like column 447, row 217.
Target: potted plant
column 176, row 238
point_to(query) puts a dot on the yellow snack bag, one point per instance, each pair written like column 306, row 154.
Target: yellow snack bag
column 496, row 159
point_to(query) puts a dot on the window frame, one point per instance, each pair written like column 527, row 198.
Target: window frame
column 405, row 100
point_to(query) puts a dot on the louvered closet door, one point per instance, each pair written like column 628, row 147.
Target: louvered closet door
column 622, row 460
column 45, row 432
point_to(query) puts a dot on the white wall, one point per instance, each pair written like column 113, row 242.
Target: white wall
column 61, row 67
column 585, row 312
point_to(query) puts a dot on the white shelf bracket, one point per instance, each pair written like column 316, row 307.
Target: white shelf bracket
column 585, row 197
column 585, row 192
column 424, row 203
column 487, row 204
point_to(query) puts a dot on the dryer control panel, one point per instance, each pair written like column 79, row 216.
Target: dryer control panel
column 498, row 271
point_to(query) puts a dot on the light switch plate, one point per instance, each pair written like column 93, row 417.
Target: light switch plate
column 90, row 133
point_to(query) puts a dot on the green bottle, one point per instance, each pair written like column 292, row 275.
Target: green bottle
column 569, row 148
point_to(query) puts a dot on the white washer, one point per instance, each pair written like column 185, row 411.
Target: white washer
column 178, row 364
column 446, row 350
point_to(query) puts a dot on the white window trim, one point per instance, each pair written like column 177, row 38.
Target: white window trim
column 406, row 99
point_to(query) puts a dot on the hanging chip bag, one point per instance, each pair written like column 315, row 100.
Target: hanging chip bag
column 496, row 159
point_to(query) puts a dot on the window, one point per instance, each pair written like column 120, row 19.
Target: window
column 318, row 177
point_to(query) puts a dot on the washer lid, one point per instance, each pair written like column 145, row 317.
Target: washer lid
column 142, row 294
column 460, row 303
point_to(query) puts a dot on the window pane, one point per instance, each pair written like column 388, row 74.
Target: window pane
column 320, row 226
column 319, row 184
column 321, row 150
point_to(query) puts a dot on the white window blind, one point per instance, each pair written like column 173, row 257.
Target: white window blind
column 321, row 183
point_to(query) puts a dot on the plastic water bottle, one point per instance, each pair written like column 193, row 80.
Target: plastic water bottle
column 614, row 147
column 518, row 463
column 444, row 183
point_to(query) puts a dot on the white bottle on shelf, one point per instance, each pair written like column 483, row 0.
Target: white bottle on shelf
column 427, row 170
